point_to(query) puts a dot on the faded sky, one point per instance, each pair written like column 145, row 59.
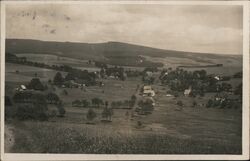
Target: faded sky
column 209, row 29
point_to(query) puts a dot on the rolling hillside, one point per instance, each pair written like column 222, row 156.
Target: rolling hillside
column 110, row 52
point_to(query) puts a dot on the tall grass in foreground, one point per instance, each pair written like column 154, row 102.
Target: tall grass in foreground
column 45, row 138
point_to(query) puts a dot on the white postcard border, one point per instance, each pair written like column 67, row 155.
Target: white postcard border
column 245, row 111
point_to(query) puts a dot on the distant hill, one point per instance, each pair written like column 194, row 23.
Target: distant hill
column 109, row 51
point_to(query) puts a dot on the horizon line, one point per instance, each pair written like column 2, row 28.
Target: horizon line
column 92, row 43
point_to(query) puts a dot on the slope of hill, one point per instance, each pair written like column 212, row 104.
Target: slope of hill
column 110, row 52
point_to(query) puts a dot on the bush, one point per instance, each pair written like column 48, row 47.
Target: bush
column 139, row 123
column 77, row 103
column 91, row 115
column 209, row 103
column 7, row 101
column 146, row 106
column 61, row 110
column 179, row 103
column 194, row 103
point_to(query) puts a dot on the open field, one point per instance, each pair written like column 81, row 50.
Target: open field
column 55, row 60
column 231, row 65
column 24, row 73
column 192, row 130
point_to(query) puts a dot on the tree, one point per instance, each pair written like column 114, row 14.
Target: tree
column 58, row 79
column 85, row 103
column 65, row 92
column 133, row 97
column 60, row 108
column 35, row 84
column 106, row 103
column 70, row 76
column 91, row 115
column 102, row 73
column 194, row 103
column 52, row 98
column 127, row 114
column 96, row 102
column 209, row 103
column 132, row 101
column 107, row 113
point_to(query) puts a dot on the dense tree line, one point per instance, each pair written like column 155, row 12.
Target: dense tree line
column 116, row 72
column 199, row 80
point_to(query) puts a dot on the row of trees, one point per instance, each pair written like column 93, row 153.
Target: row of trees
column 97, row 102
column 225, row 103
column 107, row 114
column 89, row 78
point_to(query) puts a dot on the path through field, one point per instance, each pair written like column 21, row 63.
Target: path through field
column 9, row 138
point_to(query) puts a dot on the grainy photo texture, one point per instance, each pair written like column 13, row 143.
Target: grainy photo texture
column 123, row 79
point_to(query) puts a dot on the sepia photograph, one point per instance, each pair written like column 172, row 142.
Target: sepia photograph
column 123, row 78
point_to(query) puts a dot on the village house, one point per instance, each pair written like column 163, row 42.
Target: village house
column 148, row 91
column 217, row 77
column 21, row 88
column 188, row 91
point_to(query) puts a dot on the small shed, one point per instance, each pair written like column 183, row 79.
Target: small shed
column 188, row 91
